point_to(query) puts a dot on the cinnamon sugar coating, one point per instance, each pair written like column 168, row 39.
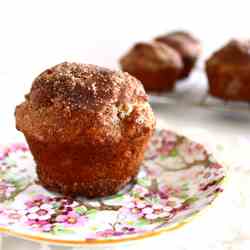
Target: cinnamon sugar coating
column 87, row 128
column 228, row 71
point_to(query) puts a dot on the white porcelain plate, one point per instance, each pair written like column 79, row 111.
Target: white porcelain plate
column 178, row 179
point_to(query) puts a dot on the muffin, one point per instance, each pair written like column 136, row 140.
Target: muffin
column 156, row 65
column 186, row 45
column 87, row 128
column 228, row 71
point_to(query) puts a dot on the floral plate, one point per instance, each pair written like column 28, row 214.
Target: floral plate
column 178, row 179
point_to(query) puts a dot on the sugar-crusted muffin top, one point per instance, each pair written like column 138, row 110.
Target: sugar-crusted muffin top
column 72, row 101
column 84, row 86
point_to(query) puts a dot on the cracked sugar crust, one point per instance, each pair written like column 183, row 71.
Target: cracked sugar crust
column 71, row 101
column 84, row 86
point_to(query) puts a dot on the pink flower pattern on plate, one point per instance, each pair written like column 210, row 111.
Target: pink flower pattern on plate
column 168, row 189
column 6, row 189
column 71, row 219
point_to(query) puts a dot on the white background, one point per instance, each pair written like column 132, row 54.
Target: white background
column 40, row 33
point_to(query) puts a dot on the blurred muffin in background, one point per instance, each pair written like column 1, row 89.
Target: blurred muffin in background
column 156, row 65
column 228, row 71
column 187, row 46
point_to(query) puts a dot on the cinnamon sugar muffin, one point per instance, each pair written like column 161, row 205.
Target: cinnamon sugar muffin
column 157, row 66
column 87, row 128
column 186, row 45
column 228, row 71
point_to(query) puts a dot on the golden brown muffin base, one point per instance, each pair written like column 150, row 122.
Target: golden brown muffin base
column 160, row 80
column 229, row 83
column 87, row 169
